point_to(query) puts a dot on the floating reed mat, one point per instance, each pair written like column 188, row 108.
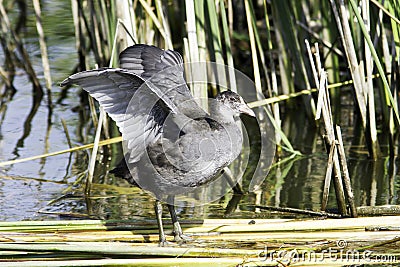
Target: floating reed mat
column 222, row 242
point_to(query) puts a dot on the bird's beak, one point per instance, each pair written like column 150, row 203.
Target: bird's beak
column 245, row 109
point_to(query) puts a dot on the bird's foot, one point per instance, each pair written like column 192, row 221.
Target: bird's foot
column 165, row 243
column 163, row 240
column 180, row 238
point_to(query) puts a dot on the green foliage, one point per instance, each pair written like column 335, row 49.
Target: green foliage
column 265, row 40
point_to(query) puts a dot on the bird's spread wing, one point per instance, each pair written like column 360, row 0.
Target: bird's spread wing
column 147, row 60
column 164, row 70
column 138, row 109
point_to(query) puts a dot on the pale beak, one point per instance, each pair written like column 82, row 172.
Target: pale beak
column 245, row 109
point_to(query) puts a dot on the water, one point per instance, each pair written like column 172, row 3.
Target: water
column 52, row 188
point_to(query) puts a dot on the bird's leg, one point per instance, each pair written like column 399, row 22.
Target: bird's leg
column 158, row 210
column 237, row 189
column 178, row 234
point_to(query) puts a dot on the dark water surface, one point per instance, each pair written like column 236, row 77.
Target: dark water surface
column 52, row 188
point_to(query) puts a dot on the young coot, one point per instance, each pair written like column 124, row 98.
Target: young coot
column 171, row 144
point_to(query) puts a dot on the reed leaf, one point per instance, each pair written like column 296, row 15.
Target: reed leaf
column 256, row 69
column 274, row 82
column 157, row 23
column 228, row 48
column 214, row 37
column 390, row 101
column 197, row 51
column 283, row 13
column 387, row 12
column 74, row 149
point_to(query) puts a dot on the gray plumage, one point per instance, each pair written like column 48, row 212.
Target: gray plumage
column 172, row 145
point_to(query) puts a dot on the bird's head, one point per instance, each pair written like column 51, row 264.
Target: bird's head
column 234, row 102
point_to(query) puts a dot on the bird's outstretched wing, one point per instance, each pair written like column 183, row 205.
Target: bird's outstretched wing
column 163, row 69
column 147, row 60
column 139, row 109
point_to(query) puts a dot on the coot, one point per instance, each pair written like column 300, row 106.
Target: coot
column 171, row 144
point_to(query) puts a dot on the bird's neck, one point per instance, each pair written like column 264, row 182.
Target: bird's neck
column 221, row 113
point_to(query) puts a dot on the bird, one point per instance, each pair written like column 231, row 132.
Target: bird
column 171, row 145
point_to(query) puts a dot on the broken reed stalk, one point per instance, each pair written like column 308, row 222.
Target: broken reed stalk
column 328, row 177
column 367, row 38
column 64, row 124
column 93, row 157
column 346, row 175
column 102, row 123
column 16, row 42
column 337, row 159
column 300, row 211
column 342, row 21
column 5, row 77
column 330, row 141
column 361, row 68
column 70, row 150
column 43, row 50
column 323, row 107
